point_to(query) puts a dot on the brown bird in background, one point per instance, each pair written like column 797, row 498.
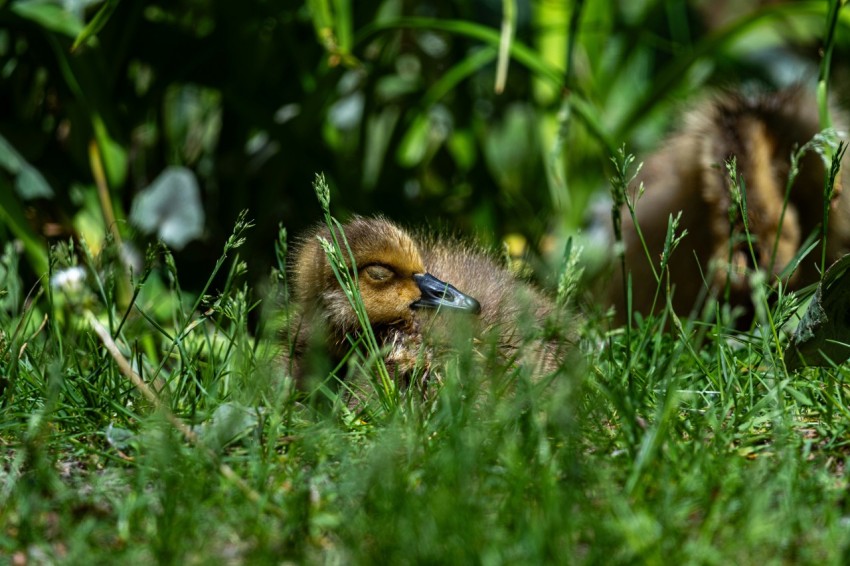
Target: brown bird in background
column 689, row 174
column 420, row 293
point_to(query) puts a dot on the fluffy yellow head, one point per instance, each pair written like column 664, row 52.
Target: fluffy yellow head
column 386, row 259
column 391, row 275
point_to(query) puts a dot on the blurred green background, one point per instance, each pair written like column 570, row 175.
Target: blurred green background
column 406, row 106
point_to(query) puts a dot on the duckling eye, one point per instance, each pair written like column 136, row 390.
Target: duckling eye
column 378, row 272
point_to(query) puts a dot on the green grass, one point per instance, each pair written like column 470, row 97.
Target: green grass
column 692, row 445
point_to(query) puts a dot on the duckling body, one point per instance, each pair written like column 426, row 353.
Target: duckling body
column 420, row 293
column 689, row 175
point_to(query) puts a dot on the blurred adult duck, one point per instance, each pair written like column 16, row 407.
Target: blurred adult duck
column 689, row 174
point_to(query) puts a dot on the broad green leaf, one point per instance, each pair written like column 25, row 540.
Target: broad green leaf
column 29, row 182
column 49, row 15
column 10, row 159
column 414, row 145
column 171, row 207
column 379, row 131
column 230, row 422
column 462, row 146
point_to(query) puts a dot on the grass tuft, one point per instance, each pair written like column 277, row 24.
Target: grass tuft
column 342, row 263
column 173, row 436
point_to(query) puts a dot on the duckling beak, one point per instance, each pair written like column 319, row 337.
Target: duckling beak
column 438, row 294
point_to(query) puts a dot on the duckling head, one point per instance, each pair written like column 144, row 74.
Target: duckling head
column 392, row 278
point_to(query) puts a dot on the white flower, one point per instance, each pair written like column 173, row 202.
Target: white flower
column 69, row 280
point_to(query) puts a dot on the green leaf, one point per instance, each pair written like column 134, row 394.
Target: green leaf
column 12, row 215
column 414, row 145
column 462, row 146
column 113, row 153
column 97, row 23
column 171, row 206
column 379, row 132
column 229, row 422
column 50, row 16
column 29, row 182
column 10, row 159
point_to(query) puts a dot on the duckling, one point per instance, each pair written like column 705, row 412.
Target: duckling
column 414, row 288
column 689, row 175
